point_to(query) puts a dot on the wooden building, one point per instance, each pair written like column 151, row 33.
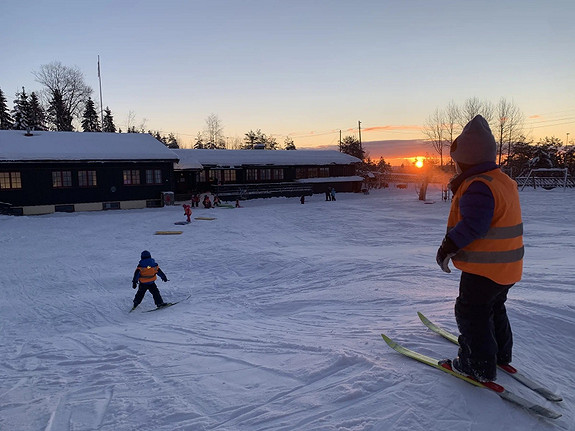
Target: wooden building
column 247, row 174
column 44, row 172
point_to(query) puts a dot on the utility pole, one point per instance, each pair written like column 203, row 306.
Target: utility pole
column 340, row 141
column 359, row 129
column 567, row 142
column 101, row 105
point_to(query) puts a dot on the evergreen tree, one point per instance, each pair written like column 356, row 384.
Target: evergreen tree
column 108, row 125
column 352, row 146
column 199, row 144
column 254, row 140
column 58, row 115
column 172, row 141
column 90, row 122
column 21, row 111
column 37, row 119
column 289, row 144
column 5, row 117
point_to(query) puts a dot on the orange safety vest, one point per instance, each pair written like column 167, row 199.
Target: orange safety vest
column 148, row 273
column 499, row 254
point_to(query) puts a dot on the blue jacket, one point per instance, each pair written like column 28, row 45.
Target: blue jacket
column 476, row 206
column 145, row 263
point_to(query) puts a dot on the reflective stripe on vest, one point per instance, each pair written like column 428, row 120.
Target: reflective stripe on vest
column 499, row 254
column 148, row 273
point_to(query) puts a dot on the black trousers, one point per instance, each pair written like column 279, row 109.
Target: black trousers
column 486, row 338
column 143, row 288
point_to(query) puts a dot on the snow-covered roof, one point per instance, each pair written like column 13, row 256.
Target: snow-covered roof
column 69, row 146
column 196, row 159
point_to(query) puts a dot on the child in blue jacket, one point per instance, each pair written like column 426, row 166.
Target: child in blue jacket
column 145, row 274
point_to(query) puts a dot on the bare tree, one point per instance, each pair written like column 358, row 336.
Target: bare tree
column 69, row 82
column 472, row 107
column 214, row 132
column 509, row 124
column 435, row 131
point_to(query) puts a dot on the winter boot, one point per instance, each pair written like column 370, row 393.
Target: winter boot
column 458, row 366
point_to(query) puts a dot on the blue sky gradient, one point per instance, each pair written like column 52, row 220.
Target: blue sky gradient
column 307, row 69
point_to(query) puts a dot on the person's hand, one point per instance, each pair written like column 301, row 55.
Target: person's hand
column 446, row 251
column 134, row 285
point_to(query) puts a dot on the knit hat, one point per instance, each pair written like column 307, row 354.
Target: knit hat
column 146, row 254
column 476, row 143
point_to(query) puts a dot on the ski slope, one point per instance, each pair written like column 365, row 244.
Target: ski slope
column 282, row 331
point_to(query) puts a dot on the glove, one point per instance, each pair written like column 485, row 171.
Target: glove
column 134, row 285
column 446, row 251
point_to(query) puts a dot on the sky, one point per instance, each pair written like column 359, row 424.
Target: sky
column 305, row 69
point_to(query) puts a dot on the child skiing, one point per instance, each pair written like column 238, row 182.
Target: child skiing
column 145, row 274
column 187, row 212
column 484, row 241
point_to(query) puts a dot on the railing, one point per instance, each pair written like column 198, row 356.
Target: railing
column 261, row 190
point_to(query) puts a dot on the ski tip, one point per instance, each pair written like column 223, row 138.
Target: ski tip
column 422, row 317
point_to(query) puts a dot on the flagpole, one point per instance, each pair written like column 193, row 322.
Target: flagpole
column 101, row 104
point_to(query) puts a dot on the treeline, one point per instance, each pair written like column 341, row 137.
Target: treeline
column 63, row 104
column 515, row 153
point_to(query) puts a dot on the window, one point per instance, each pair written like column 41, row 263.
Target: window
column 301, row 173
column 61, row 179
column 131, row 177
column 10, row 180
column 278, row 174
column 324, row 172
column 265, row 174
column 216, row 175
column 153, row 176
column 87, row 179
column 230, row 176
column 251, row 174
column 201, row 177
column 312, row 173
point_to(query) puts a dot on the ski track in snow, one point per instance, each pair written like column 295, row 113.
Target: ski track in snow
column 282, row 331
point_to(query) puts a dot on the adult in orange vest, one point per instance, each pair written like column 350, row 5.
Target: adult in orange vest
column 485, row 241
column 145, row 274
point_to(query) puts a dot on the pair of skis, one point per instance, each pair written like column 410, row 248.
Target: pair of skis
column 498, row 389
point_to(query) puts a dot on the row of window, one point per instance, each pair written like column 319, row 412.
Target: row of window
column 63, row 179
column 260, row 174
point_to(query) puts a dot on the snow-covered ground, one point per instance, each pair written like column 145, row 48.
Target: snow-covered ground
column 282, row 331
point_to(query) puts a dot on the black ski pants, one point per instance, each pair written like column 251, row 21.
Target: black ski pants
column 486, row 338
column 143, row 288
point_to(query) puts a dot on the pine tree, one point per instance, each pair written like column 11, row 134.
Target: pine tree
column 289, row 143
column 199, row 144
column 172, row 141
column 5, row 117
column 108, row 125
column 58, row 115
column 21, row 111
column 90, row 122
column 37, row 119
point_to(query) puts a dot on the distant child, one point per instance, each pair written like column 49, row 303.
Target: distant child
column 145, row 274
column 238, row 203
column 187, row 212
column 207, row 202
column 217, row 201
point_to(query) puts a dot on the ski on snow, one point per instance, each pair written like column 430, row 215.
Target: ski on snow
column 512, row 371
column 168, row 304
column 498, row 389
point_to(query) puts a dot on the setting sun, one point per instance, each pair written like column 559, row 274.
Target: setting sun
column 419, row 163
